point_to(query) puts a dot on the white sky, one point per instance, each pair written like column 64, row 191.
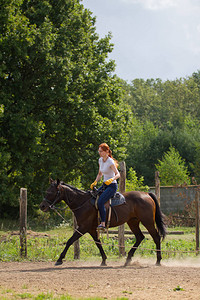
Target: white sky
column 152, row 38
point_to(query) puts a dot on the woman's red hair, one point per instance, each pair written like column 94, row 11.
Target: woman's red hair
column 105, row 147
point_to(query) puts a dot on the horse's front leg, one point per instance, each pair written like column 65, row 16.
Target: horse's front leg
column 99, row 245
column 71, row 240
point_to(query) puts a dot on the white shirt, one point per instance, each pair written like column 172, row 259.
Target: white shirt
column 106, row 169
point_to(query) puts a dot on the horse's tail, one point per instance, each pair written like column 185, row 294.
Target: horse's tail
column 159, row 217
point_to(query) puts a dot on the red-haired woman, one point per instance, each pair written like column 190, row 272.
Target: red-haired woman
column 107, row 169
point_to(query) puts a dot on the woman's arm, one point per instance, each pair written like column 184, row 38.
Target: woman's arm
column 99, row 175
column 117, row 174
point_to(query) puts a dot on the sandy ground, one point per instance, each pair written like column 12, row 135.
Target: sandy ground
column 141, row 280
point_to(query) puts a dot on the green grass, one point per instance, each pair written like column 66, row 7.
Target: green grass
column 9, row 294
column 48, row 248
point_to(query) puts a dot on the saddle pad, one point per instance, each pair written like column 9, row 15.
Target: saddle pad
column 117, row 199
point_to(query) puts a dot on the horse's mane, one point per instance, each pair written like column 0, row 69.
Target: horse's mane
column 74, row 188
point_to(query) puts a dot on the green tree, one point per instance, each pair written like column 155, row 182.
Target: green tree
column 59, row 95
column 172, row 169
column 147, row 143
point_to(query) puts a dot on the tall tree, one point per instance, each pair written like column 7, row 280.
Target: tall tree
column 60, row 98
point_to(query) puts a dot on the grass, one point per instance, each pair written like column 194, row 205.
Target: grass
column 10, row 294
column 48, row 247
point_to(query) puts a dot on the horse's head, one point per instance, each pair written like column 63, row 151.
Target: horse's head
column 52, row 195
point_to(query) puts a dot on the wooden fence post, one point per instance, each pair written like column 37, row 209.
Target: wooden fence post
column 197, row 221
column 157, row 186
column 23, row 222
column 76, row 243
column 122, row 188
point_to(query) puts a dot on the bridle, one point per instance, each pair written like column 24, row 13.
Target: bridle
column 57, row 198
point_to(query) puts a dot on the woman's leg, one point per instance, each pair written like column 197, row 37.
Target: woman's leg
column 105, row 196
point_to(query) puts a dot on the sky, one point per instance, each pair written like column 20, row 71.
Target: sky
column 152, row 38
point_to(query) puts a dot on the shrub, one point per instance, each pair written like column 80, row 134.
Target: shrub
column 172, row 169
column 133, row 183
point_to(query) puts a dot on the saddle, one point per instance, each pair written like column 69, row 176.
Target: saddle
column 117, row 199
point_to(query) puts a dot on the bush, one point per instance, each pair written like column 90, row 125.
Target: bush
column 133, row 183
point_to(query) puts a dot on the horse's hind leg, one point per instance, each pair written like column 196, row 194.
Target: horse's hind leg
column 134, row 226
column 156, row 237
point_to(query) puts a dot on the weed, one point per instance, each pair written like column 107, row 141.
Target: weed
column 178, row 288
column 25, row 296
column 127, row 292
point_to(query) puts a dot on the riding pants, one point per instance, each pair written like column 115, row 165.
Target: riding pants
column 108, row 193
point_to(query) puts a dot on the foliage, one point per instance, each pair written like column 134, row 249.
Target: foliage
column 133, row 183
column 172, row 169
column 196, row 165
column 164, row 103
column 59, row 97
column 166, row 113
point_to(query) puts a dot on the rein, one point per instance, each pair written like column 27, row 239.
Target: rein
column 74, row 209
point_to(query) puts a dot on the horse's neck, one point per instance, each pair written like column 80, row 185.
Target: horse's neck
column 74, row 198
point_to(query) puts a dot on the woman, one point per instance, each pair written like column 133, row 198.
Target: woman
column 107, row 168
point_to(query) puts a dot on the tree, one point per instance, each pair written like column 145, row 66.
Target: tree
column 147, row 143
column 60, row 98
column 172, row 169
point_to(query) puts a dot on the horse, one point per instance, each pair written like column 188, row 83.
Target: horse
column 139, row 207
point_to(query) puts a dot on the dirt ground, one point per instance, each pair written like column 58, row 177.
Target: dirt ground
column 141, row 280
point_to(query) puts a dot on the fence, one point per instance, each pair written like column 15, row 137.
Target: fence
column 174, row 199
column 23, row 222
column 121, row 233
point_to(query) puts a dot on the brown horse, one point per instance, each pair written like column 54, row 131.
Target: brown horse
column 139, row 207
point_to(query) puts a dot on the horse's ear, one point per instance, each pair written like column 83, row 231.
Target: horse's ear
column 58, row 182
column 50, row 180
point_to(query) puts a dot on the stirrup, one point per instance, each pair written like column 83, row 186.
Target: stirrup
column 101, row 227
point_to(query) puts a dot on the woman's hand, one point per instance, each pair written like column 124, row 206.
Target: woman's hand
column 109, row 181
column 93, row 184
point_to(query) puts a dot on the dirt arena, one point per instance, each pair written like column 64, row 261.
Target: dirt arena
column 142, row 280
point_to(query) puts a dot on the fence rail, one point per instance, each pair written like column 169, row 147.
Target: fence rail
column 144, row 232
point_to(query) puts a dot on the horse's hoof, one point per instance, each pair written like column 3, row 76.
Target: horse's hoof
column 103, row 264
column 158, row 264
column 58, row 263
column 127, row 263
